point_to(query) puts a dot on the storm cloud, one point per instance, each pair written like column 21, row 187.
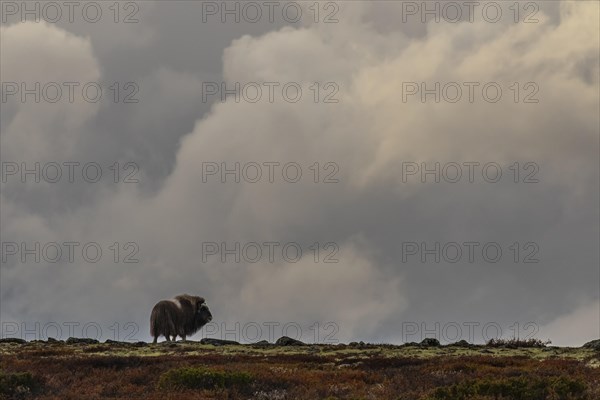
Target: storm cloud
column 368, row 217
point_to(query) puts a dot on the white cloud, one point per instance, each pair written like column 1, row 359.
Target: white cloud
column 40, row 52
column 574, row 328
column 368, row 134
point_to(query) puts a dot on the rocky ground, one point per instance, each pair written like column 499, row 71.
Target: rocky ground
column 213, row 369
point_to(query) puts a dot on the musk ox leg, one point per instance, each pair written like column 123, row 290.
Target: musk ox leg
column 155, row 339
column 183, row 337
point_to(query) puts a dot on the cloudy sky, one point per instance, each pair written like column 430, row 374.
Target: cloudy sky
column 384, row 172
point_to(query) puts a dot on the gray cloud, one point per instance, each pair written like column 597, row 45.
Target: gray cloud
column 369, row 134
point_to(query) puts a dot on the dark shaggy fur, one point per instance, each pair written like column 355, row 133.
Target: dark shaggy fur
column 171, row 320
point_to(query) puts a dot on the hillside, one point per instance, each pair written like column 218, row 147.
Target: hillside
column 82, row 369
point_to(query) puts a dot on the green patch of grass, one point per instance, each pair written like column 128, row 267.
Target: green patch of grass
column 519, row 388
column 203, row 378
column 17, row 385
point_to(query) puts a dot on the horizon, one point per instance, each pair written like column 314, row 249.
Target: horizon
column 327, row 171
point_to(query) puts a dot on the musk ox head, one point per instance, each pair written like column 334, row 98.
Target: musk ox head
column 181, row 316
column 203, row 315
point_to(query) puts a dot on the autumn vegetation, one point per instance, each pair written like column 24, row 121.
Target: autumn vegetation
column 190, row 370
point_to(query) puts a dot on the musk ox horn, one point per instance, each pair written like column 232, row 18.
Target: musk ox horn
column 181, row 316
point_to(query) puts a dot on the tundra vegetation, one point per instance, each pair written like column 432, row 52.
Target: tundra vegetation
column 86, row 369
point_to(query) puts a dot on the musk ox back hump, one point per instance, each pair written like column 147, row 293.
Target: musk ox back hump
column 190, row 306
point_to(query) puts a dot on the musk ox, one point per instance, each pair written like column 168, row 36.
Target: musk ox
column 181, row 316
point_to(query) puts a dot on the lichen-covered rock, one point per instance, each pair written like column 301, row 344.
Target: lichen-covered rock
column 430, row 342
column 262, row 343
column 73, row 340
column 594, row 344
column 218, row 342
column 461, row 343
column 13, row 340
column 115, row 342
column 288, row 341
